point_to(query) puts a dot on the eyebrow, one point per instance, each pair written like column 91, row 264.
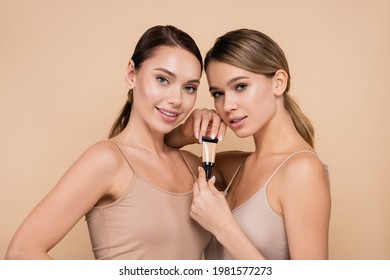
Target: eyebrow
column 230, row 81
column 173, row 75
column 166, row 72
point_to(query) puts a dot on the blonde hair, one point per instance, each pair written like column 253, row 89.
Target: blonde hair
column 254, row 51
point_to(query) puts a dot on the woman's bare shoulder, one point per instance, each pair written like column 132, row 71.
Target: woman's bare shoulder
column 305, row 163
column 303, row 172
column 103, row 155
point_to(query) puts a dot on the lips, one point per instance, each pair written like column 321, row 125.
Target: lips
column 237, row 121
column 168, row 115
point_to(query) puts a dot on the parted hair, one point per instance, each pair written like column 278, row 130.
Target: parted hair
column 256, row 52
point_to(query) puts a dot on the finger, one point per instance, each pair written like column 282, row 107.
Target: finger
column 222, row 131
column 196, row 115
column 215, row 124
column 211, row 182
column 205, row 120
column 211, row 186
column 202, row 181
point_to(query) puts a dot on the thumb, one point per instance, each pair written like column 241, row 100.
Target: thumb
column 211, row 185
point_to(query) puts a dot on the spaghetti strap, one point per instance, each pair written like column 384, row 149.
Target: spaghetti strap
column 124, row 155
column 188, row 165
column 234, row 175
column 285, row 160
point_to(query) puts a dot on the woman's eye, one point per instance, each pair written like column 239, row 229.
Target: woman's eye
column 216, row 94
column 241, row 87
column 190, row 89
column 162, row 80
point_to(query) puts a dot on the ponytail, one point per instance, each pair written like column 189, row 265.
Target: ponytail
column 124, row 116
column 301, row 122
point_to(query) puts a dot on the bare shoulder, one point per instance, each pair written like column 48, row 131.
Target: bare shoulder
column 304, row 172
column 306, row 164
column 103, row 156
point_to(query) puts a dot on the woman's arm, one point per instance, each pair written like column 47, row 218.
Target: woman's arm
column 306, row 204
column 80, row 188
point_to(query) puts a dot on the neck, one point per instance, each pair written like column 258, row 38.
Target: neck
column 138, row 135
column 279, row 135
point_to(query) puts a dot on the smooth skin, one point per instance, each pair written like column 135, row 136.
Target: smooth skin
column 165, row 89
column 252, row 105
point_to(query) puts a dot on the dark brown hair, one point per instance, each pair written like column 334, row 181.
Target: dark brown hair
column 153, row 38
column 254, row 51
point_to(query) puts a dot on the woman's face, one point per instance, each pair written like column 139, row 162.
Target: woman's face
column 244, row 100
column 165, row 88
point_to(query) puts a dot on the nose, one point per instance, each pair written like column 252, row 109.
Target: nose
column 175, row 97
column 230, row 103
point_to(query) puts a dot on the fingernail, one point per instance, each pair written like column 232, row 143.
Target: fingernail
column 220, row 137
column 213, row 134
column 197, row 134
column 212, row 179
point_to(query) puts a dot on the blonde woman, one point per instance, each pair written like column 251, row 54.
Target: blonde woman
column 276, row 200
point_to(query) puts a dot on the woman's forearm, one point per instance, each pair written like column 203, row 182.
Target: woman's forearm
column 176, row 139
column 18, row 252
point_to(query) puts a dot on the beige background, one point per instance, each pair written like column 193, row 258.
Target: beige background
column 62, row 67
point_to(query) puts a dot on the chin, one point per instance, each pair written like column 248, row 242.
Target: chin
column 165, row 129
column 242, row 134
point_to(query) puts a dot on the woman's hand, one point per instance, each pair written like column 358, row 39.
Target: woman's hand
column 205, row 122
column 201, row 122
column 209, row 207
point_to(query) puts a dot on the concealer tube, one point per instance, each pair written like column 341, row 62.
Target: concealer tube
column 208, row 158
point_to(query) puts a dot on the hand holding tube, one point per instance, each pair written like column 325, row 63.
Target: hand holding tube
column 201, row 122
column 209, row 207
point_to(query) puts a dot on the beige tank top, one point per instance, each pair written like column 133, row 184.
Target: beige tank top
column 148, row 223
column 259, row 222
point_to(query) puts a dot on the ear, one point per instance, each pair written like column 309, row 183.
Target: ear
column 130, row 75
column 280, row 80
